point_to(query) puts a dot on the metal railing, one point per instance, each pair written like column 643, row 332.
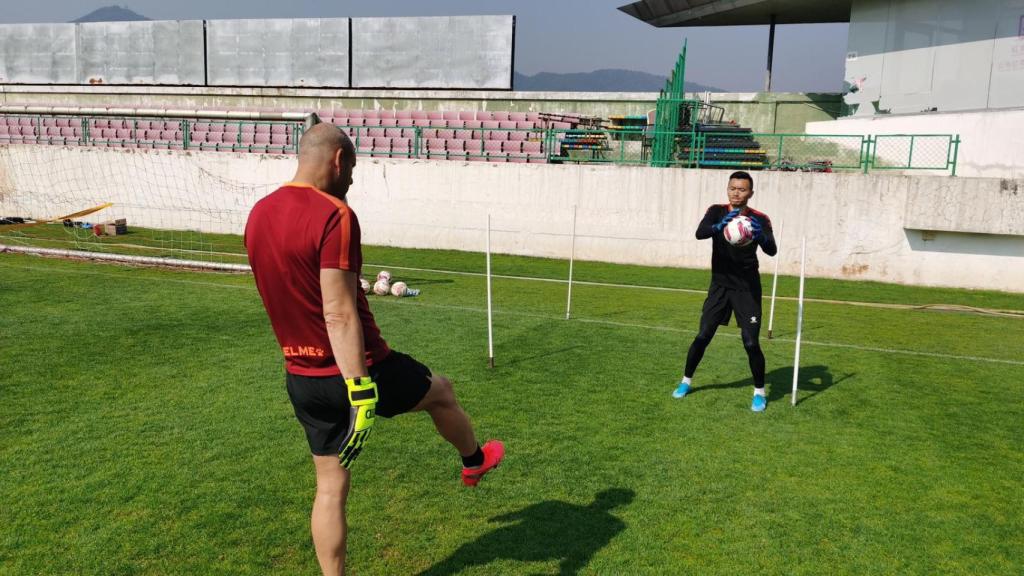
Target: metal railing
column 629, row 146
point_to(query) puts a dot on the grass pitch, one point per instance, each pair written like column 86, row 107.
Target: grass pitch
column 145, row 429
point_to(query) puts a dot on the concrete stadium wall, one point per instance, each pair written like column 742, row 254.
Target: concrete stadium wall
column 774, row 112
column 935, row 231
column 992, row 140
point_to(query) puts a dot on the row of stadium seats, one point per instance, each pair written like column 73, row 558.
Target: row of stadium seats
column 493, row 136
column 432, row 115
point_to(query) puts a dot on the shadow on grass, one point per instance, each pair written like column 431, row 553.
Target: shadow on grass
column 552, row 530
column 813, row 380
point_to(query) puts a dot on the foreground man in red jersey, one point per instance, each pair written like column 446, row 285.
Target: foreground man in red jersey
column 304, row 247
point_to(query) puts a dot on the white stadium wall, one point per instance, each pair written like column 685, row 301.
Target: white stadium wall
column 935, row 231
column 909, row 56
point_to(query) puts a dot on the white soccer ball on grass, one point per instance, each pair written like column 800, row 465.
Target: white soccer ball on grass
column 382, row 288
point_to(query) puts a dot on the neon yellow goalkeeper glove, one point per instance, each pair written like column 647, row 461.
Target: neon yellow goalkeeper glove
column 362, row 397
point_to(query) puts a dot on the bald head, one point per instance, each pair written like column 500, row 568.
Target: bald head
column 321, row 143
column 326, row 159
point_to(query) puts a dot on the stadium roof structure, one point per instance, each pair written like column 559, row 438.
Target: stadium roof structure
column 682, row 13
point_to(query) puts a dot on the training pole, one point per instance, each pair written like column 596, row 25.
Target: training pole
column 775, row 285
column 572, row 258
column 490, row 312
column 799, row 316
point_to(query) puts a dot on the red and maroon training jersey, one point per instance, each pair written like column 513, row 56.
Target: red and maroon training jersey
column 290, row 236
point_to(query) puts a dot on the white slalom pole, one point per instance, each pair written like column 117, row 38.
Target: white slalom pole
column 572, row 258
column 490, row 312
column 775, row 285
column 799, row 316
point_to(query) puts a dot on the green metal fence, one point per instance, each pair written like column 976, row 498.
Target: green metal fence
column 639, row 146
column 913, row 152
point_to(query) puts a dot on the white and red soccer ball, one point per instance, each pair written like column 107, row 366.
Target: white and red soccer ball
column 739, row 231
column 365, row 285
column 382, row 288
column 384, row 275
column 399, row 289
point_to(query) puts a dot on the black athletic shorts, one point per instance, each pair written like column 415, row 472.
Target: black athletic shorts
column 722, row 302
column 321, row 404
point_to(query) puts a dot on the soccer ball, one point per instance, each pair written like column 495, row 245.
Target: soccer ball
column 381, row 288
column 399, row 289
column 384, row 275
column 365, row 285
column 738, row 231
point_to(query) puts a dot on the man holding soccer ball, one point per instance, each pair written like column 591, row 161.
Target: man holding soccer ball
column 303, row 242
column 736, row 230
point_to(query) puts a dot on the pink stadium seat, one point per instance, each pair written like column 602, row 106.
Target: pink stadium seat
column 497, row 135
column 248, row 138
column 388, row 122
column 464, row 134
column 419, row 115
column 532, row 117
column 512, row 146
column 501, row 116
column 446, row 134
column 376, row 132
column 474, row 124
column 474, row 146
column 517, row 136
column 428, row 133
column 527, row 125
column 532, row 148
column 63, row 122
column 484, row 115
column 365, row 145
column 393, row 132
column 491, row 125
column 371, row 114
column 421, row 122
column 450, row 116
column 438, row 123
column 400, row 147
column 263, row 128
column 435, row 115
column 216, row 128
column 355, row 113
column 467, row 115
column 456, row 123
column 371, row 121
column 497, row 157
column 403, row 115
column 338, row 113
column 278, row 129
column 492, row 147
column 435, row 144
column 507, row 125
column 453, row 145
column 517, row 116
column 386, row 115
column 408, row 132
column 26, row 122
column 279, row 139
column 122, row 134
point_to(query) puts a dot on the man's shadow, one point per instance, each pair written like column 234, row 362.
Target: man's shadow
column 546, row 531
column 812, row 380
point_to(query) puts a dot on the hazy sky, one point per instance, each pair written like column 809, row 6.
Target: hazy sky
column 551, row 35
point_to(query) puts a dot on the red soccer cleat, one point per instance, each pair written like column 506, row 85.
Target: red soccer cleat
column 494, row 452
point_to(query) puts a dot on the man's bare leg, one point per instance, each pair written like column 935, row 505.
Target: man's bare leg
column 328, row 518
column 449, row 418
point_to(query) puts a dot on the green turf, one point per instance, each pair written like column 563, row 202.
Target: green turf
column 144, row 429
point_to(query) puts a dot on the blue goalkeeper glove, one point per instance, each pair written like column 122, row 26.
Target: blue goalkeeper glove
column 725, row 221
column 755, row 227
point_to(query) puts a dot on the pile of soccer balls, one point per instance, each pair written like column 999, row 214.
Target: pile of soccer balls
column 383, row 286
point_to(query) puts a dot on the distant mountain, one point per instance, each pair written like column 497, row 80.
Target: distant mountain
column 599, row 81
column 111, row 14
